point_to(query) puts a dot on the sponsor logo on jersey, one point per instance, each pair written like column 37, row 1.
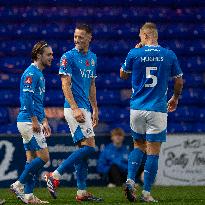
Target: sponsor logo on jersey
column 28, row 80
column 89, row 131
column 87, row 73
column 87, row 63
column 92, row 62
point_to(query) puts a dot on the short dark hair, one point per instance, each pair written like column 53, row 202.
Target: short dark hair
column 84, row 27
column 38, row 48
column 117, row 131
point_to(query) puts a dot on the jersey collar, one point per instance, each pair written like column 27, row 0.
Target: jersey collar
column 152, row 45
column 82, row 53
column 36, row 66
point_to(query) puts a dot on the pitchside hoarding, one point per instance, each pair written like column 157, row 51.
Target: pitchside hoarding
column 182, row 160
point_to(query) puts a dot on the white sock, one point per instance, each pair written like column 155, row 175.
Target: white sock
column 28, row 196
column 18, row 184
column 56, row 175
column 145, row 193
column 81, row 192
column 130, row 181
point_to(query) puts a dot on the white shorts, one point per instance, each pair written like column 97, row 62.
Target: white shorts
column 32, row 141
column 78, row 130
column 148, row 125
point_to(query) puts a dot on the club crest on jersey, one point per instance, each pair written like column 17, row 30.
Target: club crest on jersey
column 87, row 63
column 92, row 62
column 64, row 62
column 28, row 80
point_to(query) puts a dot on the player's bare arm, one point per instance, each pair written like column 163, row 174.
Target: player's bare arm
column 173, row 102
column 66, row 87
column 93, row 102
column 46, row 128
column 35, row 125
column 139, row 45
column 124, row 75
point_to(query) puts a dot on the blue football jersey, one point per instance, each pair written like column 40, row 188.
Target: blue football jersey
column 32, row 91
column 151, row 68
column 81, row 68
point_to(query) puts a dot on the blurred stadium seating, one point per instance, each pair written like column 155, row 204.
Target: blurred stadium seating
column 115, row 25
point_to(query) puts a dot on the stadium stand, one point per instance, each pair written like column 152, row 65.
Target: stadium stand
column 115, row 25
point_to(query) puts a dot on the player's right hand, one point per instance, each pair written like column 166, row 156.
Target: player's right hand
column 35, row 125
column 78, row 115
column 172, row 104
column 139, row 45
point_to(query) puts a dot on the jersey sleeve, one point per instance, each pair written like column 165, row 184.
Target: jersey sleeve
column 30, row 82
column 175, row 69
column 66, row 65
column 127, row 65
column 95, row 68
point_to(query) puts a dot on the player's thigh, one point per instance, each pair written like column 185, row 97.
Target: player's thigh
column 153, row 148
column 80, row 131
column 138, row 125
column 30, row 155
column 32, row 141
column 25, row 129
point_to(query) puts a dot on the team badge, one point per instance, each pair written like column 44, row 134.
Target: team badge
column 64, row 62
column 89, row 131
column 87, row 63
column 92, row 62
column 28, row 80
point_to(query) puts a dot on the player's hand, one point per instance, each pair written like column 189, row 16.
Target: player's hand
column 139, row 45
column 35, row 125
column 46, row 129
column 78, row 115
column 172, row 104
column 95, row 117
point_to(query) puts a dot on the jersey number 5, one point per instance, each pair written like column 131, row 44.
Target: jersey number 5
column 153, row 77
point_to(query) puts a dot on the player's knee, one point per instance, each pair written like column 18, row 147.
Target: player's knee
column 88, row 142
column 45, row 158
column 153, row 148
column 140, row 145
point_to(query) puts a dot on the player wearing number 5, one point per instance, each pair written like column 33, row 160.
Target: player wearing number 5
column 151, row 66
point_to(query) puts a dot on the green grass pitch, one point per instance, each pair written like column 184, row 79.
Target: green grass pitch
column 165, row 195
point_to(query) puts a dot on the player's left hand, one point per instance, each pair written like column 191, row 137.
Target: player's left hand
column 95, row 118
column 46, row 129
column 172, row 104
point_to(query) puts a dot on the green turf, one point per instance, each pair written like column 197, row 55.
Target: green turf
column 165, row 195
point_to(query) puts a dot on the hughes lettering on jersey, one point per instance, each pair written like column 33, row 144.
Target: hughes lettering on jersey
column 149, row 58
column 87, row 73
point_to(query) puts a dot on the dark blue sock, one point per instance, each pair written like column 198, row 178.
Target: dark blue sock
column 150, row 171
column 75, row 158
column 81, row 174
column 30, row 183
column 134, row 162
column 144, row 158
column 31, row 168
column 140, row 171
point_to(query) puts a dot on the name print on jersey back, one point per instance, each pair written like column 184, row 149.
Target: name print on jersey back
column 151, row 68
